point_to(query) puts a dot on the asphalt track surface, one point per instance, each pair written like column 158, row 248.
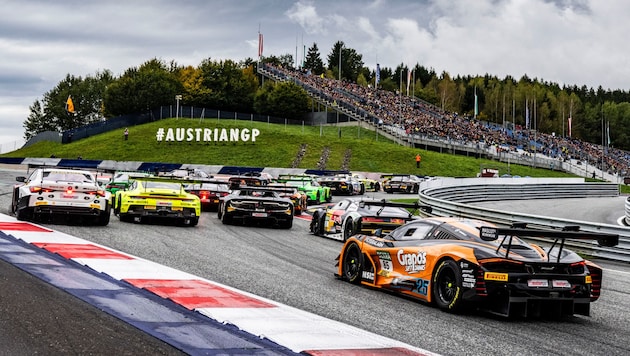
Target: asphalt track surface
column 296, row 268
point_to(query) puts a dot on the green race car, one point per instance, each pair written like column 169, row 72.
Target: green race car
column 315, row 193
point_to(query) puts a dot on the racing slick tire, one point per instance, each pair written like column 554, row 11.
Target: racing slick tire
column 103, row 217
column 317, row 224
column 352, row 263
column 226, row 219
column 348, row 229
column 447, row 286
column 362, row 191
column 286, row 224
column 24, row 214
column 190, row 221
column 377, row 187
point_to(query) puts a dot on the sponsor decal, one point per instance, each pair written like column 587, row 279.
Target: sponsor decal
column 588, row 279
column 468, row 277
column 386, row 263
column 488, row 232
column 494, row 276
column 368, row 276
column 560, row 284
column 413, row 262
column 538, row 283
column 421, row 286
column 374, row 242
column 205, row 134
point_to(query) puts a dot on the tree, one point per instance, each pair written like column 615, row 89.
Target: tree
column 313, row 60
column 351, row 62
column 230, row 87
column 283, row 99
column 36, row 121
column 142, row 89
column 50, row 113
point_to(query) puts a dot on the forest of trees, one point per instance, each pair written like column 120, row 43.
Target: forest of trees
column 598, row 115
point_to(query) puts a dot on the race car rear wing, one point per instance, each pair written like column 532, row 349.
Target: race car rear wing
column 384, row 203
column 558, row 237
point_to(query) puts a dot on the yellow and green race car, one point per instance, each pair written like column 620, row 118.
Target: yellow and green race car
column 158, row 199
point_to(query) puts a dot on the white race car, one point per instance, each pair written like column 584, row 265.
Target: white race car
column 49, row 192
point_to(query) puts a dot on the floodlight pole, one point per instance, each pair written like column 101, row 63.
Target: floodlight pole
column 177, row 99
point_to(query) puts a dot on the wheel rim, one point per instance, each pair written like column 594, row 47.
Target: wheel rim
column 447, row 286
column 352, row 263
column 347, row 231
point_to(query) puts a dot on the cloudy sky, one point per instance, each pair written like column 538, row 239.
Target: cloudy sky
column 581, row 42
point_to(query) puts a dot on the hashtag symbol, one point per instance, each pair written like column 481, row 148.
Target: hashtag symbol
column 160, row 134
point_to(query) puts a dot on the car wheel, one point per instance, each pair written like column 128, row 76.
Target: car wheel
column 226, row 219
column 362, row 191
column 348, row 229
column 287, row 224
column 447, row 286
column 103, row 217
column 377, row 187
column 416, row 189
column 317, row 225
column 190, row 221
column 352, row 264
column 24, row 214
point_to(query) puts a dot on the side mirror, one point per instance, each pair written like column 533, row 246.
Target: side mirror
column 378, row 232
column 20, row 179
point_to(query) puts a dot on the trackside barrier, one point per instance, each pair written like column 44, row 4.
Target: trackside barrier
column 627, row 209
column 450, row 197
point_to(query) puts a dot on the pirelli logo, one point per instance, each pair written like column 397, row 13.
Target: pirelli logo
column 493, row 276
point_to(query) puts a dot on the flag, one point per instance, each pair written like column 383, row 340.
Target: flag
column 608, row 132
column 378, row 73
column 408, row 80
column 260, row 44
column 69, row 105
column 526, row 115
column 569, row 126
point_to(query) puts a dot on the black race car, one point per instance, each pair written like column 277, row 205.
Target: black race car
column 402, row 183
column 350, row 216
column 342, row 184
column 256, row 204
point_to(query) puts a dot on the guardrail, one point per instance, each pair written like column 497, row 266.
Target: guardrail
column 452, row 198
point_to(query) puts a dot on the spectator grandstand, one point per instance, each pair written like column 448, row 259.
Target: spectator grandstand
column 414, row 118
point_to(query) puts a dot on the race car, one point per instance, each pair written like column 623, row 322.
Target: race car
column 342, row 184
column 256, row 204
column 371, row 185
column 298, row 197
column 157, row 199
column 315, row 193
column 209, row 192
column 458, row 263
column 402, row 183
column 122, row 180
column 58, row 192
column 351, row 215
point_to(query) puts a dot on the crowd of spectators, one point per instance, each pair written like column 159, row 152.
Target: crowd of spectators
column 416, row 117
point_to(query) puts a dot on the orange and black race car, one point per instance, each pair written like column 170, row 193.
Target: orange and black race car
column 461, row 263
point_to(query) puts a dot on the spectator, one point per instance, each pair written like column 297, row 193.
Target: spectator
column 126, row 134
column 418, row 159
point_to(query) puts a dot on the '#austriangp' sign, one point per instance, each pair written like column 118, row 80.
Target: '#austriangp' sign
column 199, row 134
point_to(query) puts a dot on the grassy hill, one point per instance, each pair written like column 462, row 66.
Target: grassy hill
column 276, row 146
